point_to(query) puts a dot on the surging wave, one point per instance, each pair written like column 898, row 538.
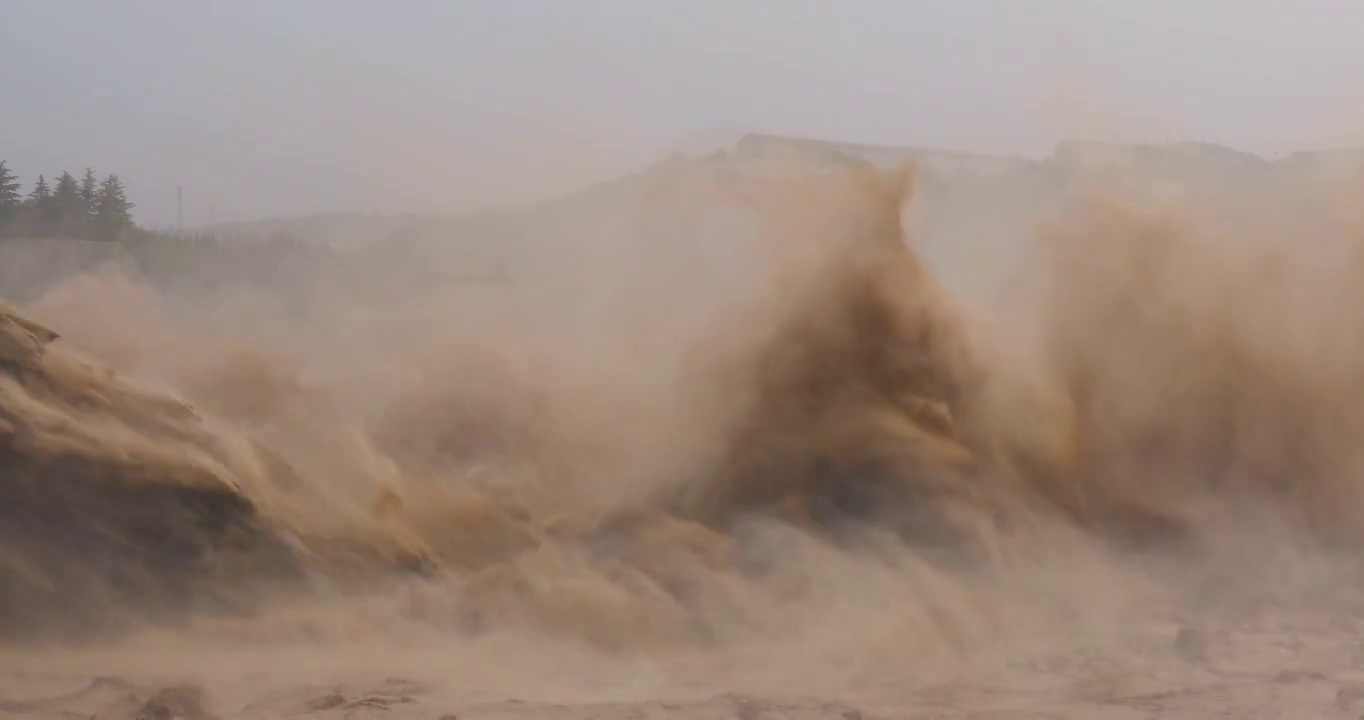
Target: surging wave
column 835, row 446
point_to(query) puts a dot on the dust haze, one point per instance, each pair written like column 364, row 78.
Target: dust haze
column 794, row 426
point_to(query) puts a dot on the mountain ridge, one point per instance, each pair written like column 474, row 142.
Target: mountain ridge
column 1068, row 156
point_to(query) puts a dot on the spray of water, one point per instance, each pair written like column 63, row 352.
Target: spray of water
column 740, row 419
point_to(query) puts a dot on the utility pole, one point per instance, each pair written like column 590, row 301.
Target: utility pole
column 179, row 209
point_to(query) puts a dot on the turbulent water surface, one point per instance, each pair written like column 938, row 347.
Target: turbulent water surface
column 739, row 453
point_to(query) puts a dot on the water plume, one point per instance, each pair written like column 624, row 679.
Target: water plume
column 818, row 452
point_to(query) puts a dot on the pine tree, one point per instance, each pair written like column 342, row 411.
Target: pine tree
column 68, row 212
column 38, row 208
column 89, row 192
column 41, row 192
column 9, row 189
column 10, row 202
column 67, row 193
column 112, row 216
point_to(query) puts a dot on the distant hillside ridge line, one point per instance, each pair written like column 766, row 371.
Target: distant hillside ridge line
column 1062, row 151
column 1068, row 156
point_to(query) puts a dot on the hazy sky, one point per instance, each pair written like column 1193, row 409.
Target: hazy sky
column 291, row 106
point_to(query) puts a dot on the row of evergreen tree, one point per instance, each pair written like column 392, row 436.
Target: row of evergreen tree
column 88, row 208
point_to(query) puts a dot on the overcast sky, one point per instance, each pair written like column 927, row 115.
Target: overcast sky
column 263, row 107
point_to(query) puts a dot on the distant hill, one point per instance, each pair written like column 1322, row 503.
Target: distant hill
column 27, row 265
column 971, row 216
column 337, row 229
column 1070, row 160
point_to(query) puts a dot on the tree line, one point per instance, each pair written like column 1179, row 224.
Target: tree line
column 88, row 208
